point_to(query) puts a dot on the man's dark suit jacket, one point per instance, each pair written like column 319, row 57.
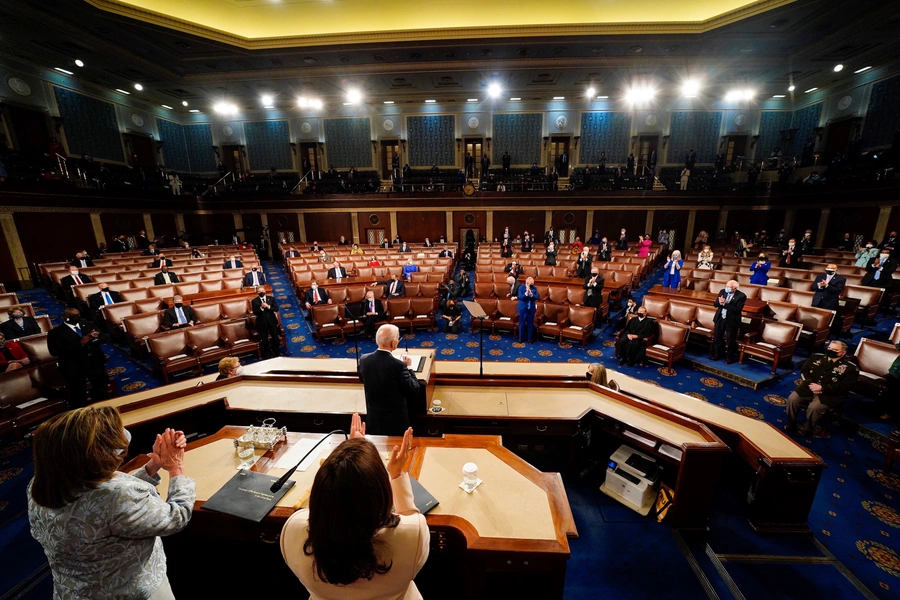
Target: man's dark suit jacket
column 170, row 319
column 596, row 297
column 323, row 296
column 12, row 331
column 518, row 273
column 119, row 245
column 332, row 272
column 142, row 242
column 390, row 390
column 829, row 296
column 887, row 271
column 68, row 281
column 734, row 307
column 149, row 252
column 73, row 356
column 265, row 317
column 404, row 249
column 76, row 262
column 796, row 259
column 95, row 301
column 156, row 264
column 584, row 266
column 315, row 248
column 248, row 278
column 400, row 292
column 386, row 244
column 237, row 264
column 158, row 278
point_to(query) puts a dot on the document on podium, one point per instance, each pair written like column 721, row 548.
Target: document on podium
column 475, row 309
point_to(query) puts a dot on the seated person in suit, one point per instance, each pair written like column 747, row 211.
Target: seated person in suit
column 104, row 297
column 161, row 260
column 514, row 269
column 550, row 260
column 826, row 381
column 337, row 271
column 387, row 244
column 316, row 296
column 324, row 257
column 230, row 366
column 450, row 317
column 630, row 308
column 179, row 315
column 428, row 243
column 404, row 247
column 254, row 278
column 395, row 287
column 19, row 325
column 314, row 248
column 82, row 260
column 355, row 249
column 343, row 241
column 398, row 239
column 409, row 268
column 233, row 263
column 593, row 288
column 445, row 254
column 291, row 253
column 828, row 287
column 632, row 343
column 12, row 356
column 164, row 277
column 372, row 312
column 150, row 251
column 71, row 280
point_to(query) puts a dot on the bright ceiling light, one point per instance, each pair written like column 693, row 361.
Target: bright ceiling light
column 472, row 100
column 838, row 68
column 690, row 89
column 138, row 87
column 748, row 94
column 863, row 70
column 640, row 94
column 268, row 100
column 590, row 92
column 184, row 102
column 791, row 88
column 63, row 71
column 778, row 96
column 316, row 103
column 302, row 102
column 79, row 63
column 123, row 92
column 602, row 97
column 430, row 101
column 494, row 90
column 391, row 101
column 347, row 103
column 514, row 99
column 735, row 95
column 166, row 106
column 224, row 108
column 559, row 97
column 194, row 110
column 810, row 90
column 354, row 96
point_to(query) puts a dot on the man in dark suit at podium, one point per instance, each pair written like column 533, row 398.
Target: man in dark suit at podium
column 828, row 287
column 266, row 311
column 76, row 344
column 164, row 277
column 389, row 386
column 729, row 304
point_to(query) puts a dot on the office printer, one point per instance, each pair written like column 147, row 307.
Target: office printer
column 632, row 478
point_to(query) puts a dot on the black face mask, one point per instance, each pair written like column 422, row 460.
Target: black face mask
column 71, row 320
column 587, row 376
column 829, row 271
column 17, row 316
column 179, row 304
column 262, row 294
column 831, row 353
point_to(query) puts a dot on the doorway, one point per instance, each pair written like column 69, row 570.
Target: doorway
column 309, row 157
column 647, row 146
column 735, row 149
column 390, row 149
column 474, row 148
column 232, row 159
column 838, row 137
column 141, row 151
column 567, row 235
column 375, row 236
column 29, row 129
column 559, row 145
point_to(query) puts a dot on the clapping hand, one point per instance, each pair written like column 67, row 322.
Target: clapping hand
column 722, row 300
column 168, row 453
column 397, row 464
column 357, row 427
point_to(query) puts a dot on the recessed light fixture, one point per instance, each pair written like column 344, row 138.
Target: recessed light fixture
column 735, row 95
column 184, row 102
column 792, row 88
column 166, row 106
column 63, row 71
column 863, row 70
column 590, row 92
column 494, row 90
column 225, row 108
column 79, row 63
column 639, row 94
column 472, row 100
column 838, row 68
column 269, row 107
column 138, row 87
column 602, row 97
column 690, row 89
column 347, row 103
column 778, row 96
column 354, row 96
column 388, row 101
column 430, row 101
column 514, row 99
column 194, row 110
column 810, row 90
column 559, row 97
column 268, row 100
column 123, row 92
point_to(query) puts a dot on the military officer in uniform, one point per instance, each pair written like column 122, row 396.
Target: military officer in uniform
column 827, row 378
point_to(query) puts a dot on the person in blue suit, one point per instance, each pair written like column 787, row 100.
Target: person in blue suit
column 527, row 295
column 760, row 269
column 232, row 263
column 672, row 273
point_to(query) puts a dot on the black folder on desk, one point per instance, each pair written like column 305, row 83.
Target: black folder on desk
column 424, row 501
column 248, row 495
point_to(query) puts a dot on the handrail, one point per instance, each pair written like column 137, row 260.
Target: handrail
column 216, row 184
column 302, row 179
column 63, row 165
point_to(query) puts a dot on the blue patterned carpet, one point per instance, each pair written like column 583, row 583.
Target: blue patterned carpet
column 855, row 517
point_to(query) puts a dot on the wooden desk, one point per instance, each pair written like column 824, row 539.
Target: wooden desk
column 219, row 295
column 752, row 308
column 514, row 527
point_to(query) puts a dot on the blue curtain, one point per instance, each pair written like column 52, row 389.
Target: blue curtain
column 883, row 114
column 694, row 130
column 174, row 148
column 520, row 134
column 90, row 125
column 432, row 140
column 268, row 145
column 805, row 122
column 605, row 132
column 348, row 143
column 771, row 124
column 198, row 139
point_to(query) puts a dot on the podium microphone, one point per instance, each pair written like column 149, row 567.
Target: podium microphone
column 283, row 479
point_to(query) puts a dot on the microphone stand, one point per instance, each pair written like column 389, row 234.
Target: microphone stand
column 283, row 479
column 347, row 311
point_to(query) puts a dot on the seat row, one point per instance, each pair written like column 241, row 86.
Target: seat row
column 556, row 321
column 562, row 294
column 874, row 360
column 330, row 320
column 191, row 348
column 339, row 294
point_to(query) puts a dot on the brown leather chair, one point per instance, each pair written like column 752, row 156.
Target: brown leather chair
column 211, row 286
column 800, row 297
column 420, row 277
column 869, row 300
column 114, row 313
column 775, row 341
column 328, row 321
column 700, row 285
column 574, row 295
column 816, row 324
column 557, row 294
column 507, row 316
column 657, row 308
column 782, row 311
column 148, row 305
column 365, row 271
column 35, row 346
column 235, row 309
column 429, row 290
column 581, row 324
column 207, row 313
column 412, row 289
column 44, row 323
column 554, row 320
column 874, row 360
column 171, row 354
column 543, row 292
column 25, row 400
column 895, row 334
column 398, row 313
column 377, row 288
column 183, row 289
column 682, row 312
column 773, row 294
column 423, row 312
column 232, row 283
column 132, row 295
column 670, row 344
column 161, row 291
column 489, row 306
column 651, row 339
column 140, row 326
column 337, row 294
column 206, row 343
column 238, row 337
column 484, row 290
column 703, row 327
column 355, row 293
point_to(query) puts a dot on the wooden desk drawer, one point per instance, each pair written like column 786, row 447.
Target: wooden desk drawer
column 543, row 427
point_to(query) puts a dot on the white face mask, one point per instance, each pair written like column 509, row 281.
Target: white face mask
column 239, row 371
column 884, row 257
column 127, row 437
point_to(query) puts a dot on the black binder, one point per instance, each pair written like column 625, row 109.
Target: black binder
column 423, row 500
column 247, row 495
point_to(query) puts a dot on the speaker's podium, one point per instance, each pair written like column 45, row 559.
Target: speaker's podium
column 509, row 538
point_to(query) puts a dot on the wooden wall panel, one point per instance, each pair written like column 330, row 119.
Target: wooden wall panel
column 805, row 218
column 115, row 224
column 476, row 220
column 416, row 226
column 706, row 220
column 855, row 221
column 328, row 227
column 893, row 222
column 611, row 222
column 567, row 219
column 208, row 228
column 519, row 221
column 48, row 237
column 8, row 275
column 747, row 222
column 164, row 226
column 283, row 223
column 383, row 222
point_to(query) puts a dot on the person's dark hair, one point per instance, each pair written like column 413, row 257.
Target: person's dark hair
column 76, row 451
column 342, row 527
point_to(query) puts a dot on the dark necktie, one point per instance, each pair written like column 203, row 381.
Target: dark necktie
column 371, row 306
column 77, row 280
column 788, row 261
column 78, row 331
column 316, row 296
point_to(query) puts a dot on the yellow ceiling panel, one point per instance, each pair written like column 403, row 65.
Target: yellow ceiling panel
column 279, row 23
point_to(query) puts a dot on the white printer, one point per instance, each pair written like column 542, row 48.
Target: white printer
column 632, row 478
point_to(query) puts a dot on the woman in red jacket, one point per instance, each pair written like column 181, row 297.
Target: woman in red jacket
column 11, row 356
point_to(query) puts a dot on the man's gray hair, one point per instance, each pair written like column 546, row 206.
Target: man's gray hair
column 843, row 345
column 386, row 334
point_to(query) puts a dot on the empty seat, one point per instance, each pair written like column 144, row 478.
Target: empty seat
column 869, row 299
column 816, row 324
column 238, row 337
column 484, row 290
column 773, row 294
column 422, row 311
column 489, row 306
column 703, row 328
column 507, row 317
column 670, row 343
column 657, row 308
column 553, row 321
column 162, row 291
column 139, row 326
column 206, row 343
column 147, row 305
column 775, row 341
column 398, row 313
column 171, row 353
column 557, row 294
column 580, row 324
column 35, row 346
column 211, row 286
column 682, row 312
column 327, row 321
column 874, row 360
column 207, row 313
column 782, row 311
column 234, row 309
